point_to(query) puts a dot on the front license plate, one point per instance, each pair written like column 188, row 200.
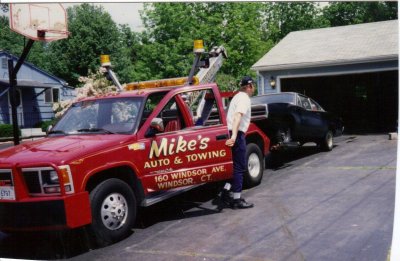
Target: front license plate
column 7, row 193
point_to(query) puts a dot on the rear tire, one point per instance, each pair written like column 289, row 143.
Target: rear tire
column 114, row 211
column 255, row 166
column 326, row 144
column 283, row 135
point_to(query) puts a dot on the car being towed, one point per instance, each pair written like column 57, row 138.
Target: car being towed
column 295, row 119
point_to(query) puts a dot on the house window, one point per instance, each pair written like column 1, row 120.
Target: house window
column 52, row 95
column 4, row 63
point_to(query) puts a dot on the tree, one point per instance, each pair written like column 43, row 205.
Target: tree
column 346, row 13
column 282, row 18
column 93, row 33
column 172, row 27
column 14, row 43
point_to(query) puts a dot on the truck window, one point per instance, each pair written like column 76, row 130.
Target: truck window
column 202, row 107
column 172, row 116
column 152, row 101
column 207, row 111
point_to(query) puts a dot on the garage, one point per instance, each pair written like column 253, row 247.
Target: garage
column 367, row 102
column 351, row 71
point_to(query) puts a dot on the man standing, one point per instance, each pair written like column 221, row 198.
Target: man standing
column 238, row 118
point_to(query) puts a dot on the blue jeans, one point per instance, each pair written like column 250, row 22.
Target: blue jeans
column 239, row 162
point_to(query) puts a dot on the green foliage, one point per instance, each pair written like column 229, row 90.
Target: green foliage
column 6, row 130
column 247, row 30
column 93, row 33
column 346, row 13
column 172, row 27
column 14, row 43
column 282, row 18
column 45, row 124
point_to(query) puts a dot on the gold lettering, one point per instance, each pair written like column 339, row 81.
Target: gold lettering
column 158, row 150
column 204, row 143
column 192, row 145
column 181, row 146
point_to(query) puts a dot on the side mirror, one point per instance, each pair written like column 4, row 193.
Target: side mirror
column 156, row 126
column 157, row 123
column 49, row 129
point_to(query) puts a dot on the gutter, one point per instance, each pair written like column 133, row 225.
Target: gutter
column 323, row 63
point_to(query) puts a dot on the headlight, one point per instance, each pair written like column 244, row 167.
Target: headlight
column 46, row 180
column 54, row 177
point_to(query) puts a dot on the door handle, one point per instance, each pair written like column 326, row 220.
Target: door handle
column 222, row 137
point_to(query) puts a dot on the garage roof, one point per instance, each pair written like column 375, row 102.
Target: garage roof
column 349, row 44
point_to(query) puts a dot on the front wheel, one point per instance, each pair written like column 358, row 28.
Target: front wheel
column 326, row 143
column 113, row 206
column 255, row 166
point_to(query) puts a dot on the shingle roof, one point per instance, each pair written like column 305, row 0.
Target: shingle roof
column 335, row 45
column 8, row 54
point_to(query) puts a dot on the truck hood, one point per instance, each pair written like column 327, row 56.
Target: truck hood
column 60, row 150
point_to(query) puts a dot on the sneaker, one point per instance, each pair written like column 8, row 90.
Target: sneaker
column 226, row 197
column 241, row 203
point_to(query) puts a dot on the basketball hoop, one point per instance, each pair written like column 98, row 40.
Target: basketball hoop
column 40, row 22
column 51, row 35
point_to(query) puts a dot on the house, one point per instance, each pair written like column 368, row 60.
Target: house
column 351, row 71
column 37, row 90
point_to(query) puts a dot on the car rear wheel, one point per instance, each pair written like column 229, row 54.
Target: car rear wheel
column 326, row 144
column 283, row 135
column 113, row 206
column 255, row 166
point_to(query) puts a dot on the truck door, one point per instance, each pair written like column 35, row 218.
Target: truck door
column 189, row 146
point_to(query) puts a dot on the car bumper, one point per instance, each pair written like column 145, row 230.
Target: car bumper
column 35, row 214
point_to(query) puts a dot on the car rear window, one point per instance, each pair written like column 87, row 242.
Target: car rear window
column 274, row 98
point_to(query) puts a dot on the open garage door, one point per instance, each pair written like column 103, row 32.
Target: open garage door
column 367, row 102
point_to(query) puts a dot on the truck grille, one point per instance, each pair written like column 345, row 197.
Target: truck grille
column 6, row 177
column 32, row 181
column 35, row 179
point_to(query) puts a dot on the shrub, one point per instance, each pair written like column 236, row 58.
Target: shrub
column 6, row 130
column 45, row 124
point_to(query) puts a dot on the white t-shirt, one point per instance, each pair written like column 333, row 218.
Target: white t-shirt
column 240, row 103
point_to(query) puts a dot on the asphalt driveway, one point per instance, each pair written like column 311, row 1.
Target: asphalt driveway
column 336, row 205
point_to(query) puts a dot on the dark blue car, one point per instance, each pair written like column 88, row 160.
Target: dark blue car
column 294, row 119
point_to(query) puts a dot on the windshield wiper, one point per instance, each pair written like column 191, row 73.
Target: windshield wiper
column 57, row 132
column 96, row 130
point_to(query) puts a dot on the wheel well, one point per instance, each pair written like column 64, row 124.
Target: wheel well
column 332, row 128
column 123, row 173
column 256, row 139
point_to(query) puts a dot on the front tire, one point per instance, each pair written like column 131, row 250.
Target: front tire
column 255, row 166
column 113, row 206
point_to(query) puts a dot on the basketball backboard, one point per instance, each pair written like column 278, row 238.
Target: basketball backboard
column 40, row 21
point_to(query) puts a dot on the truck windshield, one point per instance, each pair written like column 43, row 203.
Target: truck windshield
column 115, row 115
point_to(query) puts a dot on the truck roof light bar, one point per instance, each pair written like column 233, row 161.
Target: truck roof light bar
column 181, row 81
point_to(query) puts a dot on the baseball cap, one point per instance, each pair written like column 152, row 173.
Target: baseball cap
column 246, row 80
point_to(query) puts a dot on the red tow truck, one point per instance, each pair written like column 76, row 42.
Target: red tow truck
column 109, row 155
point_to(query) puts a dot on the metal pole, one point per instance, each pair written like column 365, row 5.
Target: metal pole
column 12, row 75
column 194, row 66
column 13, row 101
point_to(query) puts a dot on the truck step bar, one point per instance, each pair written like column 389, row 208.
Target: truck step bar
column 160, row 196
